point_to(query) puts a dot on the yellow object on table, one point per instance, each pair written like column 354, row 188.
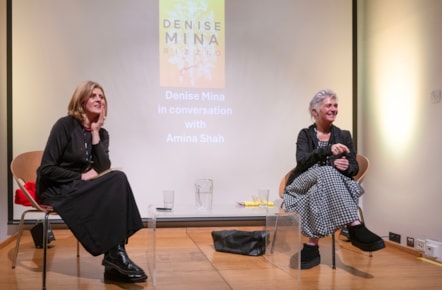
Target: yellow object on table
column 254, row 203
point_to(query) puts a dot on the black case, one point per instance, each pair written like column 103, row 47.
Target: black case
column 37, row 234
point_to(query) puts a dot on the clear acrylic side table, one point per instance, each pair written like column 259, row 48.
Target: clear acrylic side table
column 284, row 241
column 151, row 244
column 219, row 212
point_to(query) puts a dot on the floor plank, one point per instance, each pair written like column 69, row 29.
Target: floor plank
column 186, row 259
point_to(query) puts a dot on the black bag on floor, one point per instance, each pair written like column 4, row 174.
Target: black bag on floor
column 37, row 234
column 240, row 242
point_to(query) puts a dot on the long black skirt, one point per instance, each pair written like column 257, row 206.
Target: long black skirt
column 101, row 212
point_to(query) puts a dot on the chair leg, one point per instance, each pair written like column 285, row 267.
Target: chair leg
column 17, row 242
column 45, row 247
column 361, row 216
column 78, row 249
column 333, row 252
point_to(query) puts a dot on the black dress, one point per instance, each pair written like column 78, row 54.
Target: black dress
column 100, row 212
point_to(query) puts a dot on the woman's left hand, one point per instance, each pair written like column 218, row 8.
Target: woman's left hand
column 91, row 173
column 341, row 163
column 96, row 126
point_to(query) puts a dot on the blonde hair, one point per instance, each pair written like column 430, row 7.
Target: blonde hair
column 81, row 96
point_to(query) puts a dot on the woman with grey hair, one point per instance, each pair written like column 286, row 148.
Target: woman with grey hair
column 321, row 188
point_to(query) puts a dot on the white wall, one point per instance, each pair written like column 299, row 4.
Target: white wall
column 277, row 56
column 308, row 48
column 400, row 129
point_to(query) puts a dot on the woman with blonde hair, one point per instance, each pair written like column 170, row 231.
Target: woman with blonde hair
column 99, row 210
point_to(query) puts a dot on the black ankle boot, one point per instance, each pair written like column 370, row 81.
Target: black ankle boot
column 110, row 274
column 116, row 259
column 309, row 257
column 364, row 239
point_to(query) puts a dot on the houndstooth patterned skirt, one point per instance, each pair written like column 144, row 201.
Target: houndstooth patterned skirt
column 325, row 199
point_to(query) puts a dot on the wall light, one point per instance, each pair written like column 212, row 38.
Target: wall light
column 399, row 89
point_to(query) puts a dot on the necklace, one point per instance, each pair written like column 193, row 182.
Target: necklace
column 324, row 137
column 88, row 155
column 322, row 144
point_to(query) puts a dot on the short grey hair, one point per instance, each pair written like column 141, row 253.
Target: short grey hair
column 316, row 102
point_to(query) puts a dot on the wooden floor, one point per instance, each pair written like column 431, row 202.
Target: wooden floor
column 186, row 259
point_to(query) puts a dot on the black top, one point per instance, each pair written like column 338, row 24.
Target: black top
column 69, row 152
column 309, row 153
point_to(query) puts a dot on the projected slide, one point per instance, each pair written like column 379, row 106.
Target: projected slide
column 192, row 56
column 192, row 49
column 196, row 88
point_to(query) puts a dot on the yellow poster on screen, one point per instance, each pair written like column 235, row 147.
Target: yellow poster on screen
column 192, row 43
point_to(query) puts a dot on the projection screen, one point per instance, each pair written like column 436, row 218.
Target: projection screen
column 196, row 88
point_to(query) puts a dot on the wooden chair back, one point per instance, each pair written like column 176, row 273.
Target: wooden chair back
column 24, row 169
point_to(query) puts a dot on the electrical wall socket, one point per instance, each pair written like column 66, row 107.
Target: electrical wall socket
column 394, row 237
column 419, row 245
column 433, row 249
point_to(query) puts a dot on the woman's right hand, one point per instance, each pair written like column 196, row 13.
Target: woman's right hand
column 339, row 148
column 91, row 173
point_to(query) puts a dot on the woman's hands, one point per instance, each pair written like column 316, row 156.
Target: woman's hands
column 91, row 173
column 96, row 126
column 339, row 148
column 340, row 163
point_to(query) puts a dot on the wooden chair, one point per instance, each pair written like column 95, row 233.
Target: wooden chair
column 364, row 164
column 24, row 169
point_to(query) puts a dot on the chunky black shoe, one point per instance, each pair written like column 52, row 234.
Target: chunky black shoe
column 309, row 257
column 364, row 239
column 110, row 274
column 118, row 260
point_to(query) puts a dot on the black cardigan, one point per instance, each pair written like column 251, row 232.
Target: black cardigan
column 64, row 156
column 308, row 153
